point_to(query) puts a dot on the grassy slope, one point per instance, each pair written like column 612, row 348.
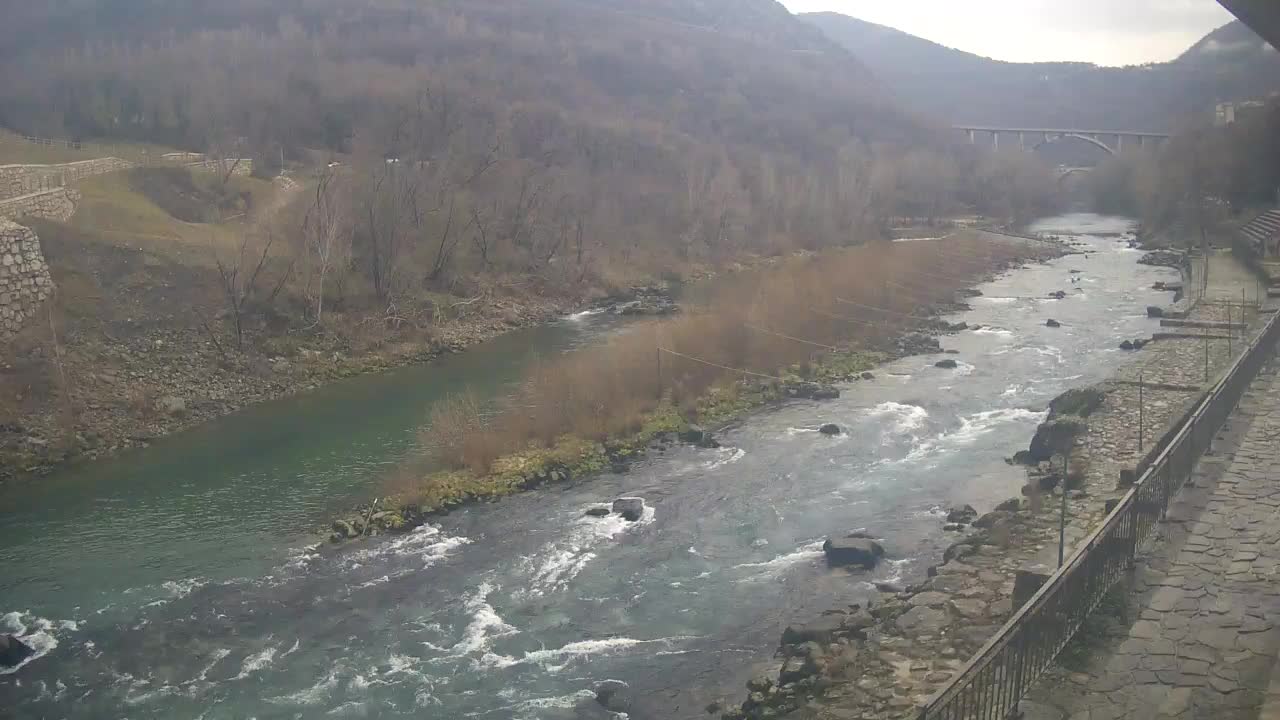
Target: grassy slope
column 113, row 211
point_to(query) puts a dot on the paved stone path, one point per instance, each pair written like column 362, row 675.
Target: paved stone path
column 1206, row 602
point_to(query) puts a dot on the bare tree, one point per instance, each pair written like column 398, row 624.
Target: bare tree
column 327, row 230
column 418, row 170
column 239, row 281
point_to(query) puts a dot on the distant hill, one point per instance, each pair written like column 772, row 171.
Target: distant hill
column 1231, row 63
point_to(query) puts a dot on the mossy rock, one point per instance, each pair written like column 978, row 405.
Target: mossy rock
column 1055, row 436
column 1080, row 402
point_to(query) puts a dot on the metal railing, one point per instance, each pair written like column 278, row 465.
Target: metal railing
column 992, row 683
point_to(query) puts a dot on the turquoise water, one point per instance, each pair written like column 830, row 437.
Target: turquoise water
column 177, row 582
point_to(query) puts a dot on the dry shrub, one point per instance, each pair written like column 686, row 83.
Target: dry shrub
column 818, row 302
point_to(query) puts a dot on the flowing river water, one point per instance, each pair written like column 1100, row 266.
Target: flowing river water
column 177, row 581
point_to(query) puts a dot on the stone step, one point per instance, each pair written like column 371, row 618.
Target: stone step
column 1189, row 336
column 1210, row 324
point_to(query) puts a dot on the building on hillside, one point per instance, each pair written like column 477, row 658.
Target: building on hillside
column 1227, row 113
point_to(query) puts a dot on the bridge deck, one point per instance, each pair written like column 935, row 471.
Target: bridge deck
column 1061, row 131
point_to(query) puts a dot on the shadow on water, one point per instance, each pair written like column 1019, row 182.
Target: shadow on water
column 182, row 597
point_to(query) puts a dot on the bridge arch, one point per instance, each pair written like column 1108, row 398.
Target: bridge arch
column 1075, row 136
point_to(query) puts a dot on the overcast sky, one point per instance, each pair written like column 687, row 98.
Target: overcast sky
column 1106, row 32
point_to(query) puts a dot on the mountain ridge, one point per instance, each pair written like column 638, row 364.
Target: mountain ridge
column 1228, row 64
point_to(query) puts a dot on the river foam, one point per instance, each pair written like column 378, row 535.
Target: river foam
column 769, row 568
column 557, row 563
column 903, row 418
column 34, row 631
column 557, row 659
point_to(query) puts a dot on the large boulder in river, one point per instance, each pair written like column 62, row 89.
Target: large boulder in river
column 1055, row 435
column 629, row 508
column 966, row 514
column 1051, row 323
column 614, row 696
column 1081, row 402
column 830, row 429
column 13, row 651
column 855, row 551
column 947, row 364
column 822, row 630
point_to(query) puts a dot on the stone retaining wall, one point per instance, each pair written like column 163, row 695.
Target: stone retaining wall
column 237, row 166
column 25, row 282
column 57, row 204
column 16, row 180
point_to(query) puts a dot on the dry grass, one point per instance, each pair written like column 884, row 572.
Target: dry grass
column 610, row 391
column 113, row 212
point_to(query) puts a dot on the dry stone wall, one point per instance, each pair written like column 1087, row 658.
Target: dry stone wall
column 57, row 204
column 25, row 282
column 18, row 180
column 236, row 166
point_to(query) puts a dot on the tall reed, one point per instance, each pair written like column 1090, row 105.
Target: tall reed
column 755, row 324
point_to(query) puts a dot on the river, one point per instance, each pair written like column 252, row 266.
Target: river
column 177, row 581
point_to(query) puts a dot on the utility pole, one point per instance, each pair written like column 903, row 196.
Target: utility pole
column 1141, row 414
column 1062, row 514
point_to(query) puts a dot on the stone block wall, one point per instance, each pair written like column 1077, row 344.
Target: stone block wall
column 242, row 166
column 18, row 180
column 25, row 282
column 57, row 204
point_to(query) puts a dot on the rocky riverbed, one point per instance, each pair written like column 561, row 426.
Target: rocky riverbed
column 193, row 560
column 883, row 658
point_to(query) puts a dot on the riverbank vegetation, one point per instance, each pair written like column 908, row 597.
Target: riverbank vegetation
column 809, row 320
column 453, row 170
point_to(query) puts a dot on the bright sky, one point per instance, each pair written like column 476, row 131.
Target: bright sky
column 1106, row 32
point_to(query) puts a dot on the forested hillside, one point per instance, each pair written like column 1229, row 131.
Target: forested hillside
column 453, row 169
column 1231, row 63
column 609, row 132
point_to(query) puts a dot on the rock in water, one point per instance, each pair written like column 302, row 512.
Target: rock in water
column 13, row 651
column 614, row 696
column 599, row 511
column 830, row 429
column 861, row 552
column 1154, row 311
column 1052, row 323
column 947, row 364
column 966, row 514
column 811, row 391
column 629, row 508
column 1126, row 345
column 821, row 630
column 695, row 435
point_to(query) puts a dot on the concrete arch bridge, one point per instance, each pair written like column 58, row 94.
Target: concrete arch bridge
column 1111, row 141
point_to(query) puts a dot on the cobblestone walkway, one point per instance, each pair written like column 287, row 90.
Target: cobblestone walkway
column 1206, row 597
